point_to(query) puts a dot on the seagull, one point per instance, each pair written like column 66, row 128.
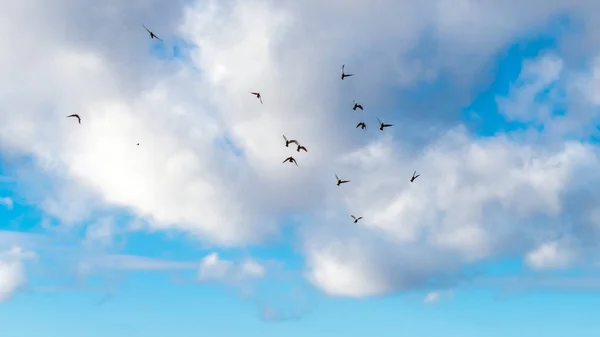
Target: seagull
column 288, row 142
column 344, row 75
column 340, row 181
column 257, row 94
column 152, row 35
column 356, row 105
column 291, row 160
column 383, row 125
column 76, row 116
column 362, row 125
column 355, row 218
column 300, row 147
column 414, row 177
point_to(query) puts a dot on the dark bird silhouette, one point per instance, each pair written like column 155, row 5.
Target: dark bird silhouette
column 362, row 125
column 340, row 181
column 355, row 218
column 291, row 160
column 152, row 35
column 257, row 94
column 288, row 142
column 76, row 116
column 414, row 177
column 383, row 125
column 138, row 144
column 344, row 75
column 300, row 147
column 357, row 106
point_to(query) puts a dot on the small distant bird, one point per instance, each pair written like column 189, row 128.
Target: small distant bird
column 138, row 144
column 152, row 35
column 357, row 106
column 257, row 94
column 383, row 125
column 300, row 147
column 76, row 116
column 362, row 125
column 414, row 176
column 344, row 75
column 291, row 160
column 355, row 218
column 288, row 142
column 340, row 181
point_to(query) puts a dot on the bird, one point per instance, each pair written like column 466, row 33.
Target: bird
column 300, row 147
column 355, row 218
column 414, row 177
column 362, row 125
column 152, row 35
column 344, row 75
column 383, row 125
column 76, row 116
column 138, row 144
column 340, row 181
column 257, row 94
column 288, row 142
column 357, row 106
column 291, row 160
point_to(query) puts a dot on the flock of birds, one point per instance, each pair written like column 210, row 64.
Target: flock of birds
column 299, row 147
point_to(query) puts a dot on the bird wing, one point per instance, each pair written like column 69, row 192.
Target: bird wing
column 148, row 30
column 379, row 120
column 254, row 93
column 294, row 141
column 359, row 124
column 286, row 159
column 74, row 115
column 158, row 38
column 285, row 138
column 360, row 107
column 336, row 177
column 302, row 148
column 343, row 65
column 345, row 181
column 260, row 98
column 360, row 217
column 386, row 125
column 348, row 75
column 417, row 176
column 353, row 217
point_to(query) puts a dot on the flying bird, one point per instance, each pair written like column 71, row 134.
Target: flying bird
column 414, row 177
column 138, row 144
column 357, row 106
column 257, row 94
column 344, row 75
column 291, row 160
column 152, row 35
column 340, row 181
column 362, row 125
column 288, row 142
column 383, row 125
column 76, row 116
column 300, row 147
column 355, row 218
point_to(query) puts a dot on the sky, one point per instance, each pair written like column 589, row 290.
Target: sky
column 202, row 230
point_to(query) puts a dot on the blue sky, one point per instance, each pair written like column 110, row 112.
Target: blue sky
column 202, row 230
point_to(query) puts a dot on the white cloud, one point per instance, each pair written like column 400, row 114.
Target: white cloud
column 12, row 271
column 432, row 297
column 475, row 198
column 7, row 202
column 214, row 269
column 550, row 255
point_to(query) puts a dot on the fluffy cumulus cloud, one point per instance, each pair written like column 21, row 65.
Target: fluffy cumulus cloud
column 214, row 269
column 12, row 271
column 209, row 159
